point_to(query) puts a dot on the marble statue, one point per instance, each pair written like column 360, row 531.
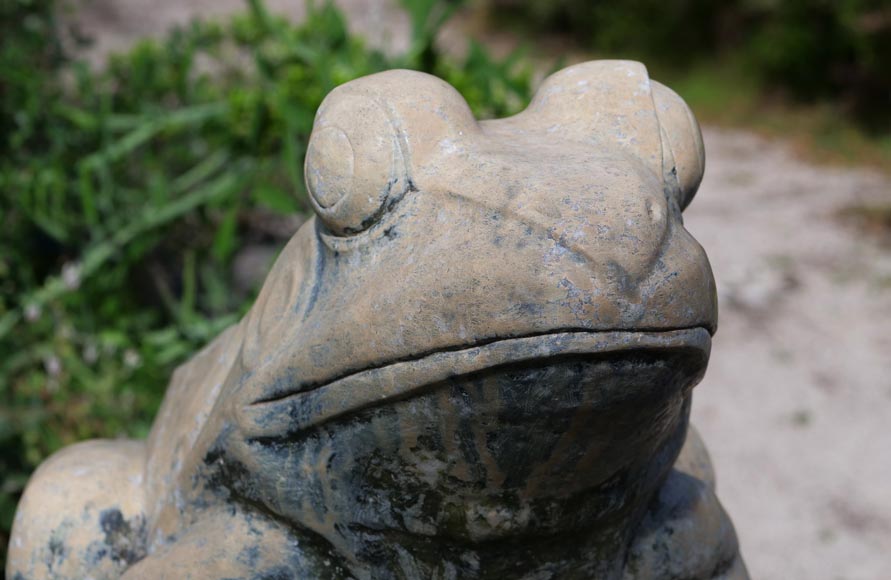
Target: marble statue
column 475, row 362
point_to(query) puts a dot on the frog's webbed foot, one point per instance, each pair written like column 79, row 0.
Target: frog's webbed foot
column 82, row 514
column 686, row 533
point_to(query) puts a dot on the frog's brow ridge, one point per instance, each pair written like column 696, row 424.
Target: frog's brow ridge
column 532, row 220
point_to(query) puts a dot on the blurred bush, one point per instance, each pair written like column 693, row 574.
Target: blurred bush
column 810, row 49
column 128, row 192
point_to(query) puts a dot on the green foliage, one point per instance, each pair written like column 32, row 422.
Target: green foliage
column 127, row 193
column 818, row 48
column 633, row 27
column 811, row 49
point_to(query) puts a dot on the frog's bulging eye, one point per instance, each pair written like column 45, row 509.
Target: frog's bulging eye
column 354, row 163
column 330, row 166
column 683, row 154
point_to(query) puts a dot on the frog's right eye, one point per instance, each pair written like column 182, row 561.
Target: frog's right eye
column 354, row 164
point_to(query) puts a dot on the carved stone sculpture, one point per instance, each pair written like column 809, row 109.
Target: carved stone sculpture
column 475, row 362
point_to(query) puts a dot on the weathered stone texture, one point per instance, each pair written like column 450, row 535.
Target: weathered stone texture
column 475, row 362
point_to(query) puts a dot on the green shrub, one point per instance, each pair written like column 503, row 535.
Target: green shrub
column 127, row 192
column 826, row 48
column 632, row 27
column 810, row 49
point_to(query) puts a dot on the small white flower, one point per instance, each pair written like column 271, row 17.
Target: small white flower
column 53, row 365
column 32, row 312
column 91, row 353
column 131, row 358
column 71, row 275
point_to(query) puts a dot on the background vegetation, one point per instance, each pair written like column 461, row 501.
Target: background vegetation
column 810, row 50
column 816, row 72
column 128, row 192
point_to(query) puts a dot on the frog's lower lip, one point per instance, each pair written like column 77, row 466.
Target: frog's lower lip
column 290, row 412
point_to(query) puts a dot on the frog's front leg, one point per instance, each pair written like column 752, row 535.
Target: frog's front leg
column 686, row 533
column 82, row 514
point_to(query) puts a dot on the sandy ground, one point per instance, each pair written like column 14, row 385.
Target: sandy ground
column 796, row 405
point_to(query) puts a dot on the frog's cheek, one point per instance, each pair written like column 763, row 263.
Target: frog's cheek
column 354, row 164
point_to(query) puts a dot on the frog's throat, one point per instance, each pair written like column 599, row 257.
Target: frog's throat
column 292, row 412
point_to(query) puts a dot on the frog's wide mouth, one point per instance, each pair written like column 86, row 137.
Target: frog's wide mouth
column 291, row 411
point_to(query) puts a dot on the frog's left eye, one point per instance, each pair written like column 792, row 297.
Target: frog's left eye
column 683, row 155
column 354, row 163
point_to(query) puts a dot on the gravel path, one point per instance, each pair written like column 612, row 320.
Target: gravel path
column 796, row 405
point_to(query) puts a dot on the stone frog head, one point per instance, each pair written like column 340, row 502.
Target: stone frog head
column 474, row 362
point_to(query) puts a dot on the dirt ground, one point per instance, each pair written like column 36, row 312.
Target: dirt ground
column 796, row 405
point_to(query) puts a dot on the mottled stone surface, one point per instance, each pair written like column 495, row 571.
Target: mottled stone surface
column 475, row 362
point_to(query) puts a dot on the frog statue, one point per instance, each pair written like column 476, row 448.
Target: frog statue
column 474, row 362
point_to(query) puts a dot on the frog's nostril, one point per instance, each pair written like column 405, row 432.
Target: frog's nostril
column 655, row 212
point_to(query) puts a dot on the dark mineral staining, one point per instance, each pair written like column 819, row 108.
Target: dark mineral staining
column 96, row 552
column 279, row 573
column 57, row 551
column 124, row 538
column 223, row 476
column 250, row 556
column 317, row 285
